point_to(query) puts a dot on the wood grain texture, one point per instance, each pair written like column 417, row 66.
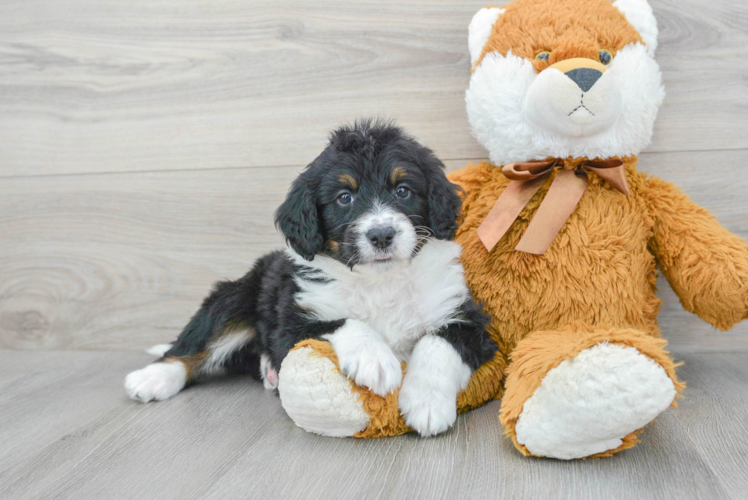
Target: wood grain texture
column 109, row 86
column 229, row 438
column 121, row 261
column 715, row 417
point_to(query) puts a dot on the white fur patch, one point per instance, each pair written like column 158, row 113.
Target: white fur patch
column 224, row 347
column 317, row 397
column 411, row 299
column 158, row 350
column 496, row 103
column 435, row 375
column 157, row 381
column 365, row 358
column 480, row 30
column 639, row 14
column 586, row 405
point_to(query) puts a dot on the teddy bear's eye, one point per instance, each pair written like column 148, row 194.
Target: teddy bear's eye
column 543, row 56
column 605, row 56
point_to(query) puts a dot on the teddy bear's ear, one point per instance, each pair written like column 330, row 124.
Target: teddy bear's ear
column 480, row 29
column 641, row 17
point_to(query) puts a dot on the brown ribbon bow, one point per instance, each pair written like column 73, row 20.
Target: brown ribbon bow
column 565, row 192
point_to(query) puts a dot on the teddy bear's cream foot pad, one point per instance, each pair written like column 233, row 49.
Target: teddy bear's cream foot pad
column 588, row 404
column 317, row 397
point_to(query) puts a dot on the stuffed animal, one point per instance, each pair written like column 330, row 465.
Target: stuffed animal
column 562, row 236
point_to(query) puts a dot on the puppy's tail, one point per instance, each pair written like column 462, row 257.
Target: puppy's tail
column 158, row 350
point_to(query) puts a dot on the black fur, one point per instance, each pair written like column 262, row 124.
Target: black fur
column 368, row 152
column 468, row 336
column 311, row 218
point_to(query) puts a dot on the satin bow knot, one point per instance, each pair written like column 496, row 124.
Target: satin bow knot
column 565, row 192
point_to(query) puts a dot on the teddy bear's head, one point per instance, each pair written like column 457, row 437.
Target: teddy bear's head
column 563, row 78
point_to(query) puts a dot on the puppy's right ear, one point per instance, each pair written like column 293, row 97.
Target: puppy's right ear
column 298, row 220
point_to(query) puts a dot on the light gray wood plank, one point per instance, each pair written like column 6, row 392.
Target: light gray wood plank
column 164, row 455
column 121, row 261
column 471, row 461
column 714, row 413
column 108, row 86
column 46, row 396
column 231, row 439
column 88, row 255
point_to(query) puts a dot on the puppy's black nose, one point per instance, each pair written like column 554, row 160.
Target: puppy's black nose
column 381, row 237
column 585, row 78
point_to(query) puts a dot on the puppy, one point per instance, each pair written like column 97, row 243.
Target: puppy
column 370, row 267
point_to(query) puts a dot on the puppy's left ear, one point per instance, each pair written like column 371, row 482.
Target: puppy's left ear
column 298, row 219
column 444, row 203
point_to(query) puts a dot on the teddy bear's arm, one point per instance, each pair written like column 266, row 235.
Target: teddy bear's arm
column 706, row 265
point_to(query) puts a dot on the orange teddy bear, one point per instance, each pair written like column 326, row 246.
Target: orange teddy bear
column 563, row 242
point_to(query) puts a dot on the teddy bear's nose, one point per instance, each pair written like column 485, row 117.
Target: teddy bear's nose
column 585, row 78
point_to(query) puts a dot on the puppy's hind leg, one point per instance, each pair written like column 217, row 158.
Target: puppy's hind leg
column 211, row 341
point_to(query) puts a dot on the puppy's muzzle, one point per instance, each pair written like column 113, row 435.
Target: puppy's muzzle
column 381, row 237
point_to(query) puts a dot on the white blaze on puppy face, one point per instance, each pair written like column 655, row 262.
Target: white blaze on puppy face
column 404, row 240
column 519, row 114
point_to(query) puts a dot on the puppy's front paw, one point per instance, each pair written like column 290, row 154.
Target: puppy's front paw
column 427, row 411
column 370, row 364
column 157, row 381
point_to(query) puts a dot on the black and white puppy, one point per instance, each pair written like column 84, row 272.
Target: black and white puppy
column 371, row 268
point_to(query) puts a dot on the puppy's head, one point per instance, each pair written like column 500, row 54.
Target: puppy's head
column 370, row 199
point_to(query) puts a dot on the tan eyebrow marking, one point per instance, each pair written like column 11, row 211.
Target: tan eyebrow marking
column 398, row 174
column 348, row 181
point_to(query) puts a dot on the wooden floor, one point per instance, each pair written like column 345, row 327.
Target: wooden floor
column 143, row 149
column 69, row 431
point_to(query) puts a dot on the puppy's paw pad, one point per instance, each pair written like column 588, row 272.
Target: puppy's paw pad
column 157, row 381
column 427, row 413
column 268, row 373
column 372, row 365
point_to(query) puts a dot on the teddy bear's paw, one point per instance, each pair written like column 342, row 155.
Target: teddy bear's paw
column 317, row 397
column 157, row 381
column 426, row 411
column 588, row 404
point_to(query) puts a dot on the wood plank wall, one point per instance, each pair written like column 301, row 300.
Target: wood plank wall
column 144, row 145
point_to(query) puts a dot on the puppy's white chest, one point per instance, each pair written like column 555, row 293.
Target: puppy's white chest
column 401, row 305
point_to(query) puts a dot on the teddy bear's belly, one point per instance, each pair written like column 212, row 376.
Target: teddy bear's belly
column 598, row 271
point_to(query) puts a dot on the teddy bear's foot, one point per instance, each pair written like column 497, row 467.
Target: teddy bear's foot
column 592, row 402
column 321, row 399
column 588, row 404
column 318, row 397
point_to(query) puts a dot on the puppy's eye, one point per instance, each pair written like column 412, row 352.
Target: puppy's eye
column 345, row 198
column 605, row 56
column 402, row 192
column 543, row 56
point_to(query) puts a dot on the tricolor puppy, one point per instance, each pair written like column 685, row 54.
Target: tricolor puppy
column 371, row 268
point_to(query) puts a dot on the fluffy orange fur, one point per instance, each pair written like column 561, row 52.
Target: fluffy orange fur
column 596, row 283
column 542, row 351
column 567, row 28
